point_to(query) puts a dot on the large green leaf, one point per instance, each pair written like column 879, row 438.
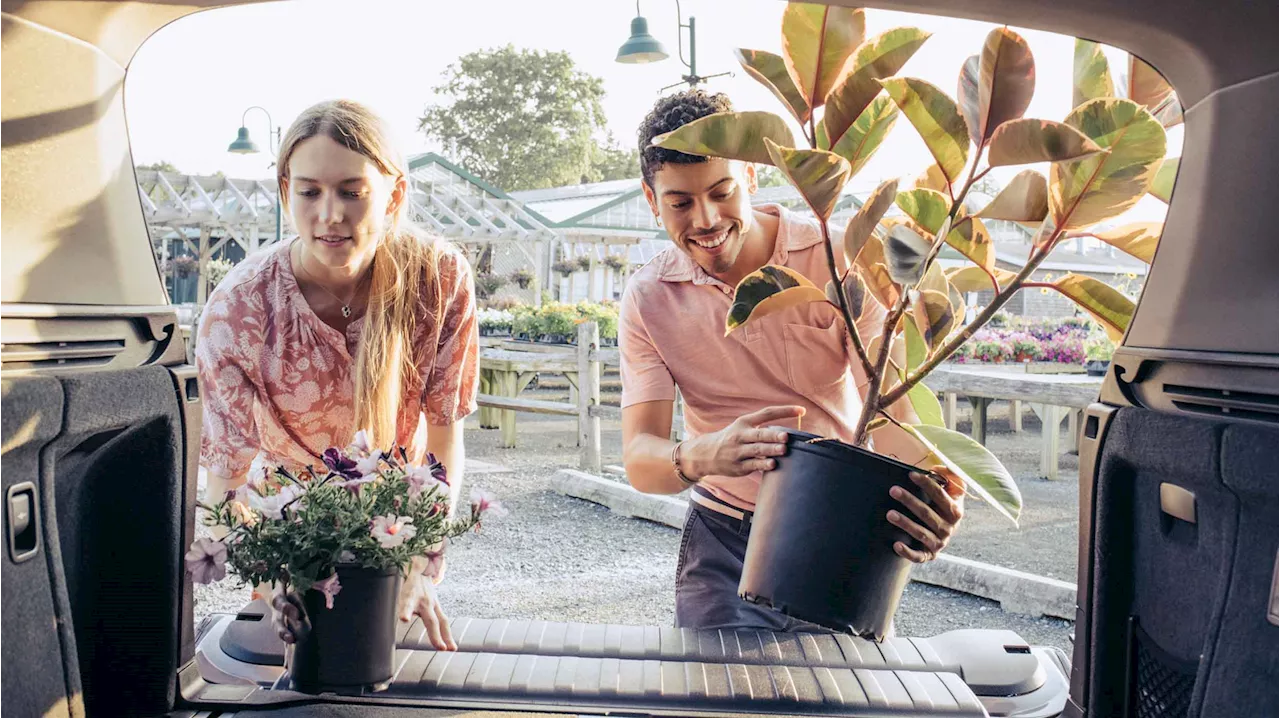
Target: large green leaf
column 926, row 405
column 1091, row 75
column 1021, row 142
column 968, row 96
column 906, row 252
column 1149, row 89
column 1024, row 199
column 1112, row 309
column 855, row 292
column 934, row 279
column 766, row 291
column 970, row 238
column 818, row 174
column 867, row 134
column 817, row 41
column 1006, row 81
column 934, row 316
column 927, row 207
column 980, row 470
column 869, row 215
column 1138, row 239
column 973, row 279
column 935, row 117
column 932, row 178
column 1162, row 185
column 734, row 135
column 917, row 350
column 1099, row 187
column 770, row 70
column 880, row 57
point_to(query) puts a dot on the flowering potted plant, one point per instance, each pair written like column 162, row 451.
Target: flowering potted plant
column 1097, row 354
column 1025, row 347
column 842, row 90
column 342, row 537
column 522, row 277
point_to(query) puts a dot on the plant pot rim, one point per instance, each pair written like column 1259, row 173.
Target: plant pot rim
column 835, row 449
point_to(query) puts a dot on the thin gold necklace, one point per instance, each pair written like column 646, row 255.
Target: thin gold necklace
column 346, row 305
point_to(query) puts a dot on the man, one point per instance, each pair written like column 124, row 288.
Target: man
column 771, row 373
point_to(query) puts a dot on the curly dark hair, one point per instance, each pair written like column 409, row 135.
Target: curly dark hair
column 672, row 112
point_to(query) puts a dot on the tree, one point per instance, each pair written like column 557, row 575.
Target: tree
column 767, row 176
column 161, row 166
column 525, row 119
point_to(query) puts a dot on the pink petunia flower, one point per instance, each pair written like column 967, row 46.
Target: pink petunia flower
column 206, row 561
column 272, row 506
column 329, row 587
column 483, row 502
column 368, row 466
column 421, row 478
column 390, row 531
column 435, row 564
column 359, row 443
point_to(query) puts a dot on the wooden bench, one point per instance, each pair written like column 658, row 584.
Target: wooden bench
column 1053, row 397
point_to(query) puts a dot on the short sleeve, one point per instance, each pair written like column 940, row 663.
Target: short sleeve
column 645, row 376
column 454, row 378
column 229, row 438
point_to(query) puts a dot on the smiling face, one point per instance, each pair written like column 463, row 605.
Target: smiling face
column 340, row 202
column 706, row 209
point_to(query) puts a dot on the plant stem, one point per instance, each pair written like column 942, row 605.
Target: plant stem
column 950, row 347
column 843, row 301
column 876, row 399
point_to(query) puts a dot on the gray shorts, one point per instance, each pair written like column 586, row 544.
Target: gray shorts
column 712, row 549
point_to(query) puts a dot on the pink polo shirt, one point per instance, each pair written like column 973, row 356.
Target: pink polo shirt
column 671, row 333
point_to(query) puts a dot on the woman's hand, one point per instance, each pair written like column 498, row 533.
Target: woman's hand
column 418, row 598
column 936, row 520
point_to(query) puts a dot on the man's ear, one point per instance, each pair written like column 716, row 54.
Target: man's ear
column 753, row 182
column 650, row 196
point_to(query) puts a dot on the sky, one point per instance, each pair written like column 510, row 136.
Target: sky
column 189, row 84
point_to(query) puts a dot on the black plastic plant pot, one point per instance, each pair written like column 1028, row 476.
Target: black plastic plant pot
column 821, row 549
column 351, row 647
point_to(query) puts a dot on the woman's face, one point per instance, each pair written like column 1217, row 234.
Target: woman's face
column 340, row 202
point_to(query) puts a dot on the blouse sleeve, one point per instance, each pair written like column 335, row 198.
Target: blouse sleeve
column 230, row 438
column 453, row 379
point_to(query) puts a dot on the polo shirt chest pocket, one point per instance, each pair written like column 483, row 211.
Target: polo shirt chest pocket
column 816, row 356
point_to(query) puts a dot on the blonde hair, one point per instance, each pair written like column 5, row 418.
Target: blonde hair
column 404, row 280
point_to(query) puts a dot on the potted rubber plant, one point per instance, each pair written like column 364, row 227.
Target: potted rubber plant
column 342, row 536
column 820, row 548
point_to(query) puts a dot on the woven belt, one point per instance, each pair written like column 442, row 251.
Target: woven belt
column 707, row 500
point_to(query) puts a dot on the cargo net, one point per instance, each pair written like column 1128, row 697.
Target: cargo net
column 1162, row 684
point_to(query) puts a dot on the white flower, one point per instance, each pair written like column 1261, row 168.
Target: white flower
column 391, row 530
column 359, row 443
column 369, row 465
column 272, row 506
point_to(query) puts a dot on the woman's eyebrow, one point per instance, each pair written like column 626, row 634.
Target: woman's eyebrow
column 348, row 180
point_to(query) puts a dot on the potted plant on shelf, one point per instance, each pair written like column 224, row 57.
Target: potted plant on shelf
column 820, row 548
column 1098, row 349
column 522, row 277
column 342, row 536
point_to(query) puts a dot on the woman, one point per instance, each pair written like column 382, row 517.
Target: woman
column 360, row 322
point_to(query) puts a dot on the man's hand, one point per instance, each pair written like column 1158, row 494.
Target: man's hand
column 935, row 522
column 740, row 448
column 418, row 597
column 289, row 617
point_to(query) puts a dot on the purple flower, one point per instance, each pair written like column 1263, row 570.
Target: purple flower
column 422, row 478
column 206, row 561
column 338, row 463
column 329, row 587
column 483, row 502
column 438, row 471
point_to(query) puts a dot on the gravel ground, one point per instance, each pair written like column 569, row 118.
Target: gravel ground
column 558, row 558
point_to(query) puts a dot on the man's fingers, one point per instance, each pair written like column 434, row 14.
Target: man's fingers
column 939, row 496
column 763, row 436
column 760, row 451
column 923, row 512
column 916, row 531
column 758, row 465
column 773, row 413
column 911, row 554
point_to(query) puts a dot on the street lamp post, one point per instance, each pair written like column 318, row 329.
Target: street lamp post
column 243, row 145
column 641, row 47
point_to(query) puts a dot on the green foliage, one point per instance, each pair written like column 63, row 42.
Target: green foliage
column 488, row 284
column 217, row 270
column 525, row 119
column 161, row 166
column 522, row 277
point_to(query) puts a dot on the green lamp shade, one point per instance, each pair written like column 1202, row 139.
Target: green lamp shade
column 641, row 46
column 243, row 145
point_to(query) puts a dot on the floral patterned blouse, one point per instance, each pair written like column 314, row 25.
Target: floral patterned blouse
column 276, row 380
